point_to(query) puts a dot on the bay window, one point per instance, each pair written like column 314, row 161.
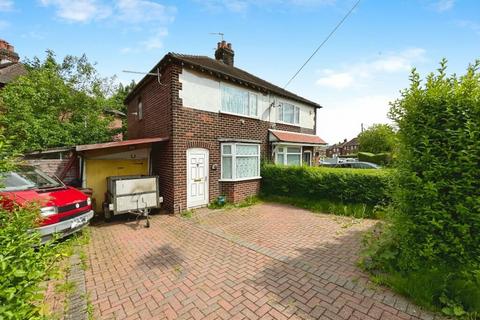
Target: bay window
column 288, row 155
column 240, row 161
column 288, row 113
column 239, row 101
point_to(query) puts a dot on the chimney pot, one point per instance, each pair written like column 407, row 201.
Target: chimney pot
column 7, row 53
column 224, row 53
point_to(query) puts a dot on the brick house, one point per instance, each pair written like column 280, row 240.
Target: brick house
column 10, row 67
column 343, row 148
column 219, row 123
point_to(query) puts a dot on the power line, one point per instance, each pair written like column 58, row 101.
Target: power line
column 324, row 41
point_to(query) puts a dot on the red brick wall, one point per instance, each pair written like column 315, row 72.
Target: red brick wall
column 239, row 190
column 157, row 122
column 165, row 115
column 55, row 167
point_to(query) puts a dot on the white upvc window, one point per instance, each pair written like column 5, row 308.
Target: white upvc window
column 240, row 161
column 288, row 113
column 238, row 101
column 140, row 110
column 288, row 155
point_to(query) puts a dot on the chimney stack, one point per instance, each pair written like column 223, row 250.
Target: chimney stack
column 7, row 52
column 224, row 53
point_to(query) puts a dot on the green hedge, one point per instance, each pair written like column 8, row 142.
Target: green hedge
column 434, row 239
column 350, row 186
column 382, row 159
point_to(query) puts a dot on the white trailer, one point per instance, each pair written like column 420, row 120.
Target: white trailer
column 132, row 194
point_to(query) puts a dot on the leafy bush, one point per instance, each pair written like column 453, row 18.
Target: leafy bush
column 377, row 139
column 347, row 186
column 382, row 159
column 23, row 266
column 23, row 263
column 433, row 240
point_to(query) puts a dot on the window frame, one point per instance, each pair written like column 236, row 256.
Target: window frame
column 250, row 95
column 140, row 109
column 285, row 153
column 233, row 155
column 281, row 114
column 311, row 157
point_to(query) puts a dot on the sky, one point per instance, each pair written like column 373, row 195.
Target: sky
column 353, row 76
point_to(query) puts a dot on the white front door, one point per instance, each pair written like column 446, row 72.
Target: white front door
column 197, row 177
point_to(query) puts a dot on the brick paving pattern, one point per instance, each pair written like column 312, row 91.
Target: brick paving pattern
column 268, row 261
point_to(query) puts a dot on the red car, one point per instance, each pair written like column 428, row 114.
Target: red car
column 64, row 209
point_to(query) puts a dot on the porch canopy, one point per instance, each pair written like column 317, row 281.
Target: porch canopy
column 287, row 137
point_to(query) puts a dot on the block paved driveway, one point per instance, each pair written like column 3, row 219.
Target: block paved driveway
column 267, row 261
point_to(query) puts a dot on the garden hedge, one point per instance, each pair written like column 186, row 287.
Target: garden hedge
column 382, row 159
column 350, row 186
column 431, row 251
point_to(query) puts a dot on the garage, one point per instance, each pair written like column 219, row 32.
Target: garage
column 103, row 160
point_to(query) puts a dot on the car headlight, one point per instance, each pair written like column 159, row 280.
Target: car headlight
column 48, row 211
column 89, row 201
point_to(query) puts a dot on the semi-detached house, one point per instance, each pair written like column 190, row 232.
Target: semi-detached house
column 218, row 123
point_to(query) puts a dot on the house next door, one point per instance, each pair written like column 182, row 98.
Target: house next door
column 197, row 177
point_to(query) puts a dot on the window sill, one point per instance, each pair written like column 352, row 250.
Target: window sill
column 289, row 124
column 237, row 180
column 239, row 115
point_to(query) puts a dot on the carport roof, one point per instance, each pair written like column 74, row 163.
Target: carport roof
column 132, row 142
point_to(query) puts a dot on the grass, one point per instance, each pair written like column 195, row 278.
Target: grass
column 358, row 211
column 249, row 201
column 186, row 214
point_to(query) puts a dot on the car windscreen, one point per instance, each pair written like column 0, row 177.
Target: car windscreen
column 26, row 178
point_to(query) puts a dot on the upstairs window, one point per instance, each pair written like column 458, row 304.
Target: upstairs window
column 288, row 113
column 140, row 110
column 239, row 101
column 240, row 161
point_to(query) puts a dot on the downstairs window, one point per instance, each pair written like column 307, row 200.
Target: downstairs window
column 240, row 161
column 289, row 156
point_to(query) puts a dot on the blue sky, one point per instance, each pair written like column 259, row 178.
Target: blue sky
column 354, row 76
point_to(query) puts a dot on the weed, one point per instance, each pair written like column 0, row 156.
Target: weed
column 186, row 214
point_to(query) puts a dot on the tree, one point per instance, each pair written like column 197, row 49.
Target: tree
column 377, row 139
column 431, row 250
column 57, row 104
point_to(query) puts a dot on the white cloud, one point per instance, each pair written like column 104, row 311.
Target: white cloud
column 156, row 40
column 342, row 118
column 145, row 16
column 358, row 73
column 443, row 5
column 336, row 80
column 79, row 10
column 6, row 5
column 144, row 11
column 241, row 6
column 472, row 25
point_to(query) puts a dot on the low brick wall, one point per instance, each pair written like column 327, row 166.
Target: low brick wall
column 56, row 166
column 239, row 190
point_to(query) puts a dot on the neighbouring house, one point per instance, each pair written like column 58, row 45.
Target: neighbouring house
column 10, row 67
column 343, row 148
column 218, row 123
column 351, row 147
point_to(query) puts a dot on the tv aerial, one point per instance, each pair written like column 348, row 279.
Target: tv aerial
column 157, row 74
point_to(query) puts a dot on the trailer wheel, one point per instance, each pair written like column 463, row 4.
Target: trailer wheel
column 106, row 212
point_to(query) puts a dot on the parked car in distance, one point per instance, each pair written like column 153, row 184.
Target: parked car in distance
column 354, row 165
column 65, row 210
